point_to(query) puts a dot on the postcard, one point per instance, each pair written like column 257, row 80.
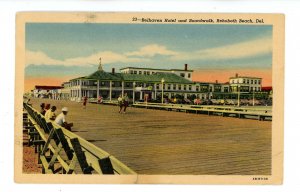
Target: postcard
column 149, row 98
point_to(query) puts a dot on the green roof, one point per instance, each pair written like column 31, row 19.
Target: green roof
column 157, row 77
column 102, row 75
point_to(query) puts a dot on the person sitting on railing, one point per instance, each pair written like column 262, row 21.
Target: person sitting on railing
column 47, row 107
column 61, row 119
column 28, row 102
column 42, row 109
column 50, row 114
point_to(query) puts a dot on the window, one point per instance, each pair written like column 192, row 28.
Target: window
column 251, row 81
column 157, row 86
column 179, row 87
column 258, row 81
column 148, row 72
column 169, row 86
column 244, row 80
column 131, row 72
column 102, row 83
column 255, row 82
column 140, row 72
column 189, row 75
column 182, row 74
column 217, row 88
column 190, row 87
column 135, row 72
column 113, row 84
column 247, row 81
column 145, row 72
column 197, row 88
column 184, row 87
column 174, row 86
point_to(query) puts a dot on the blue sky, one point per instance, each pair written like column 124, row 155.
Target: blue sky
column 54, row 49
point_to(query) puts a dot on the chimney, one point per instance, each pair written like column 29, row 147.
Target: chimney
column 185, row 67
column 113, row 70
column 236, row 75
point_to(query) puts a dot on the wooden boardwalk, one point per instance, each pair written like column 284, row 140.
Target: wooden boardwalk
column 165, row 142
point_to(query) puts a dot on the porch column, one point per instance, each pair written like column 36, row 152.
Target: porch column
column 80, row 94
column 133, row 91
column 122, row 88
column 155, row 91
column 110, row 90
column 141, row 95
column 97, row 89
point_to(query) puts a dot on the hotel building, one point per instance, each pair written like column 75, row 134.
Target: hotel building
column 141, row 83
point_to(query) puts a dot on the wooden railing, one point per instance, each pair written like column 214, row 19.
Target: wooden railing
column 258, row 112
column 61, row 151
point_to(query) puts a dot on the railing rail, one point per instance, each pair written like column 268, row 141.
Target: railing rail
column 58, row 147
column 261, row 113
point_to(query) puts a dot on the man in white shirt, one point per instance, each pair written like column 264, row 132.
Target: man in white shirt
column 61, row 119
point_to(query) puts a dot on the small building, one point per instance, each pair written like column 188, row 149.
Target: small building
column 245, row 84
column 44, row 91
column 65, row 91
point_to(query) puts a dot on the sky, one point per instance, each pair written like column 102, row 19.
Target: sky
column 57, row 52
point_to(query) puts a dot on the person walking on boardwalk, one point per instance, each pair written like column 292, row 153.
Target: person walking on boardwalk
column 50, row 114
column 99, row 101
column 120, row 103
column 84, row 102
column 61, row 119
column 125, row 101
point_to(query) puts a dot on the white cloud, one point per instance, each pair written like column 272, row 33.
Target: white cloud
column 245, row 49
column 152, row 50
column 40, row 58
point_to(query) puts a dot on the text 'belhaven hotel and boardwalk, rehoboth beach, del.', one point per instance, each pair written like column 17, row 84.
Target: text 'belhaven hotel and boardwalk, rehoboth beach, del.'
column 199, row 21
